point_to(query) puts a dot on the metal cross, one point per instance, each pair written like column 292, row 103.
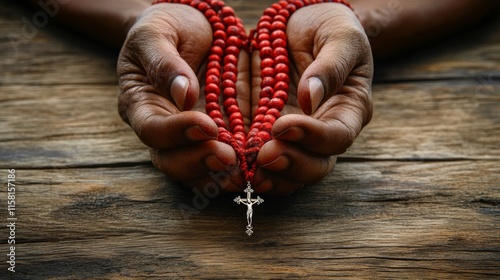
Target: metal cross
column 249, row 202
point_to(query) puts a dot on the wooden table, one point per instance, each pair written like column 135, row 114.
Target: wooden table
column 417, row 196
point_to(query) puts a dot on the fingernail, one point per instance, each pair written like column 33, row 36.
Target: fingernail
column 195, row 133
column 316, row 92
column 178, row 90
column 293, row 133
column 216, row 164
column 277, row 164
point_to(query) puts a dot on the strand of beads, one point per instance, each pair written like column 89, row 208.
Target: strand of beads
column 229, row 38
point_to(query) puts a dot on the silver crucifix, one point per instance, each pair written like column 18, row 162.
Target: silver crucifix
column 249, row 202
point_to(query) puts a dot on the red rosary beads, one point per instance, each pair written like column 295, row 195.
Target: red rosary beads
column 229, row 38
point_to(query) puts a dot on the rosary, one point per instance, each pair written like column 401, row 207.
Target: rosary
column 229, row 38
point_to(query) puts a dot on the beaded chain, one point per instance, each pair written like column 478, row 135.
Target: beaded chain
column 229, row 38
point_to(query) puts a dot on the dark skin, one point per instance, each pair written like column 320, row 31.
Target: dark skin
column 161, row 65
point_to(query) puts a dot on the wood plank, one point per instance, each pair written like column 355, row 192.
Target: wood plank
column 367, row 219
column 77, row 125
column 60, row 56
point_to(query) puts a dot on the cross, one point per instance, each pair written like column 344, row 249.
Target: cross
column 249, row 202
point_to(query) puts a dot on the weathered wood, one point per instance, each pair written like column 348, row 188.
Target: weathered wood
column 71, row 125
column 416, row 196
column 383, row 219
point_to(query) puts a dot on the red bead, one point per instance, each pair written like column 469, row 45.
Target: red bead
column 214, row 57
column 215, row 114
column 224, row 136
column 281, row 59
column 210, row 13
column 281, row 86
column 264, row 101
column 263, row 44
column 232, row 109
column 284, row 13
column 282, row 77
column 263, row 37
column 266, row 126
column 227, row 11
column 280, row 18
column 229, row 93
column 276, row 6
column 267, row 62
column 267, row 72
column 281, row 95
column 267, row 82
column 236, row 122
column 264, row 30
column 214, row 19
column 269, row 119
column 265, row 136
column 274, row 112
column 266, row 18
column 264, row 24
column 220, row 43
column 233, row 30
column 276, row 103
column 214, row 64
column 266, row 52
column 234, row 41
column 213, row 71
column 259, row 118
column 230, row 59
column 212, row 88
column 240, row 129
column 283, row 3
column 228, row 84
column 202, row 7
column 233, row 50
column 212, row 79
column 219, row 34
column 270, row 12
column 231, row 101
column 261, row 110
column 281, row 68
column 211, row 97
column 229, row 20
column 229, row 76
column 278, row 25
column 219, row 122
column 278, row 34
column 212, row 106
column 279, row 43
column 256, row 125
column 234, row 116
column 230, row 68
column 280, row 51
column 266, row 92
column 218, row 26
column 291, row 8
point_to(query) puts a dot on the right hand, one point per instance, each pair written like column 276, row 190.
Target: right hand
column 159, row 68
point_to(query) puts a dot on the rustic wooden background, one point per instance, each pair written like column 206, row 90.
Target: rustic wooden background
column 417, row 196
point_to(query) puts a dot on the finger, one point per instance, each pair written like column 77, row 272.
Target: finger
column 332, row 135
column 194, row 162
column 293, row 163
column 159, row 129
column 324, row 56
column 170, row 57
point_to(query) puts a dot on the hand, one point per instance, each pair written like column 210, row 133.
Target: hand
column 329, row 101
column 159, row 69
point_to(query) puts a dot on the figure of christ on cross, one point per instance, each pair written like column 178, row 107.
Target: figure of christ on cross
column 249, row 202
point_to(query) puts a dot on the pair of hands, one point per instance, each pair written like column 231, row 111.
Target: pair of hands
column 161, row 66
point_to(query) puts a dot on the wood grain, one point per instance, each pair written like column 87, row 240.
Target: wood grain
column 416, row 197
column 408, row 220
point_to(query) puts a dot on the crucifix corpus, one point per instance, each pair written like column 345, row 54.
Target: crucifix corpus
column 249, row 202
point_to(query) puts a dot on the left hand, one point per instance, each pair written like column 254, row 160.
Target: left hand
column 331, row 70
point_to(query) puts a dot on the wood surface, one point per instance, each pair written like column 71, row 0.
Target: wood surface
column 416, row 197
